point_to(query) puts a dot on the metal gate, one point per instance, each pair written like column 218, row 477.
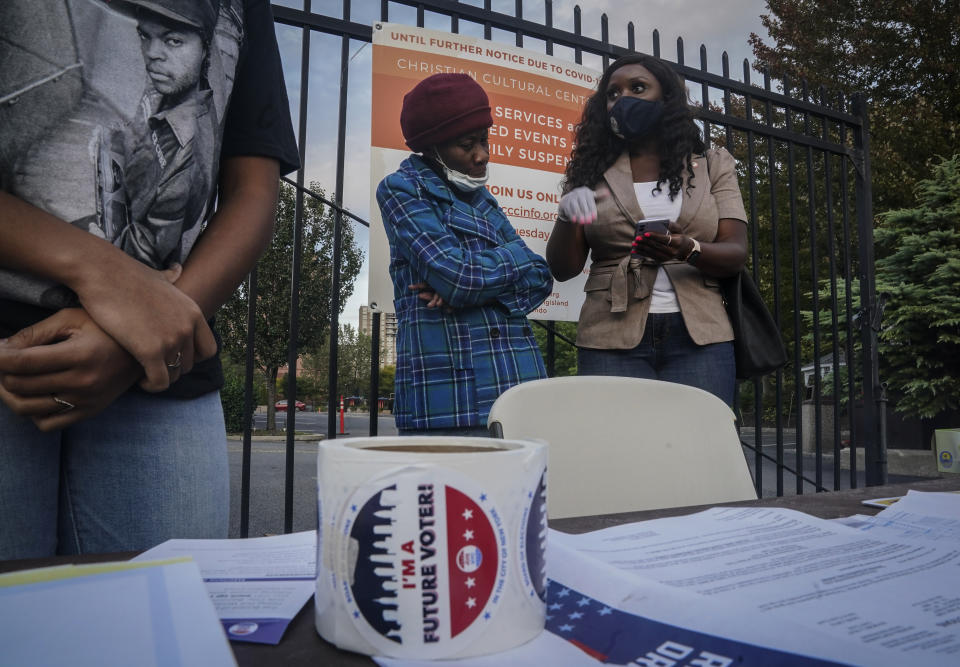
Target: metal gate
column 804, row 168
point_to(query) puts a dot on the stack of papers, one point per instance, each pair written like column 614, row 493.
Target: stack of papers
column 110, row 614
column 732, row 586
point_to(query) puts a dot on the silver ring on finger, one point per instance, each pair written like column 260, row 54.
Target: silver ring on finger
column 669, row 238
column 176, row 362
column 62, row 405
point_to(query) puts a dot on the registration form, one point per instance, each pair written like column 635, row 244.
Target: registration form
column 257, row 585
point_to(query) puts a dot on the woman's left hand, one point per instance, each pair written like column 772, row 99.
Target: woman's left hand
column 428, row 294
column 662, row 247
column 63, row 369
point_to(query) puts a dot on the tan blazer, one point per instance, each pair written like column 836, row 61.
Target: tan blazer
column 619, row 286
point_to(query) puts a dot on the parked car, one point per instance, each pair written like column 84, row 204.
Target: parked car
column 281, row 406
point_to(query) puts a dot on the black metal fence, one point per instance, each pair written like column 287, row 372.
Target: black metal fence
column 805, row 173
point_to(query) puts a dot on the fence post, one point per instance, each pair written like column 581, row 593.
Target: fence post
column 375, row 374
column 874, row 431
column 551, row 349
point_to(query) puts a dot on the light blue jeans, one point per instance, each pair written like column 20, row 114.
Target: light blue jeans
column 667, row 352
column 144, row 470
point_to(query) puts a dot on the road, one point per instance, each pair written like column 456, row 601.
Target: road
column 268, row 477
column 268, row 465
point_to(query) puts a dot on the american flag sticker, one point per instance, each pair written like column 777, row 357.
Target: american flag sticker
column 424, row 559
column 616, row 637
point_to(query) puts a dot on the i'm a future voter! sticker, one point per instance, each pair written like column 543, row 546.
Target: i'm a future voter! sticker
column 426, row 557
column 533, row 542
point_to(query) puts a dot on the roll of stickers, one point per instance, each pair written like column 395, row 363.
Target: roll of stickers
column 431, row 547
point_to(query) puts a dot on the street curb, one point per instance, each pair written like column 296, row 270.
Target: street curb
column 916, row 462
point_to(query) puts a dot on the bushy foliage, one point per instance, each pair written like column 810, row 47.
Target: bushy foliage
column 231, row 398
column 918, row 272
column 918, row 266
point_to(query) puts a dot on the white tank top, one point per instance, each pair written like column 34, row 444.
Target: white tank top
column 659, row 205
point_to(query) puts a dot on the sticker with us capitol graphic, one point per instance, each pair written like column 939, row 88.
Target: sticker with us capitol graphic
column 428, row 557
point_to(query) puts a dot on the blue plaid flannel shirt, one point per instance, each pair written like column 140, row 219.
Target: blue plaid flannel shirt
column 453, row 363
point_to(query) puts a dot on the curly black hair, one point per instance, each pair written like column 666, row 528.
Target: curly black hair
column 596, row 147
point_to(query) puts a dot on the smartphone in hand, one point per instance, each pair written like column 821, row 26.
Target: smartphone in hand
column 657, row 225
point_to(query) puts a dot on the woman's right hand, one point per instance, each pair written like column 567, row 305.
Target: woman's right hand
column 580, row 204
column 160, row 326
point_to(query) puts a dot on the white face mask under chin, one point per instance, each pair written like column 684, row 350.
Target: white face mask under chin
column 464, row 182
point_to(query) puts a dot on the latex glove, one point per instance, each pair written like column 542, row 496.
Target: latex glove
column 580, row 204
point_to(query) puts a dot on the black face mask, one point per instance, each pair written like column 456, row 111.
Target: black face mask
column 633, row 119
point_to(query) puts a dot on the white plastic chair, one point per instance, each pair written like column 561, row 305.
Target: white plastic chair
column 623, row 444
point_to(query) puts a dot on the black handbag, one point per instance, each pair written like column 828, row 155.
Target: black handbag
column 757, row 343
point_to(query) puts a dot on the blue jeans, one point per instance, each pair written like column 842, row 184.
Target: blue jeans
column 667, row 352
column 144, row 470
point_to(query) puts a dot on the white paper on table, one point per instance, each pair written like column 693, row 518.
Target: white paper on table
column 897, row 524
column 618, row 618
column 153, row 615
column 257, row 585
column 935, row 504
column 906, row 526
column 931, row 503
column 897, row 598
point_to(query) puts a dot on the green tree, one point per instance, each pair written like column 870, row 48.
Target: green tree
column 353, row 361
column 353, row 364
column 918, row 266
column 387, row 376
column 314, row 369
column 273, row 290
column 904, row 55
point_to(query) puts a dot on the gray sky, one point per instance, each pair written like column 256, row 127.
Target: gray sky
column 722, row 25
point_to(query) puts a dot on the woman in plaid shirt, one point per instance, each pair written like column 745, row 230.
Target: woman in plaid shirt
column 463, row 280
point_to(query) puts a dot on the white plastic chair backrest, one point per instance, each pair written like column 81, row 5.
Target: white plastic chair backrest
column 625, row 444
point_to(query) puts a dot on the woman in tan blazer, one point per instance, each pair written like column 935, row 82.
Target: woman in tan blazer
column 653, row 307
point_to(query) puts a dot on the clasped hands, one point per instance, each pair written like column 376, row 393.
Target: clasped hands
column 76, row 362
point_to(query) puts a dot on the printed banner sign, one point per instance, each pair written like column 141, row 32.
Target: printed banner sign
column 536, row 101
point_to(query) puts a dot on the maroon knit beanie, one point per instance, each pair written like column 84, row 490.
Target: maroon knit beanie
column 443, row 107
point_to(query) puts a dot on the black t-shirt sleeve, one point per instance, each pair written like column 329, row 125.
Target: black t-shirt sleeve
column 258, row 118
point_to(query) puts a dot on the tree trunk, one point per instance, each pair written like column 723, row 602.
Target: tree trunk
column 271, row 375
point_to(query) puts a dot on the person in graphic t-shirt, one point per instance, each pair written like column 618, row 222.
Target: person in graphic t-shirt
column 171, row 159
column 112, row 435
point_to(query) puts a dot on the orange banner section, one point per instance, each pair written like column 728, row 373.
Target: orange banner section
column 533, row 115
column 416, row 65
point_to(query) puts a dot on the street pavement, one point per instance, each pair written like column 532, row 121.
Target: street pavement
column 268, row 472
column 268, row 466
